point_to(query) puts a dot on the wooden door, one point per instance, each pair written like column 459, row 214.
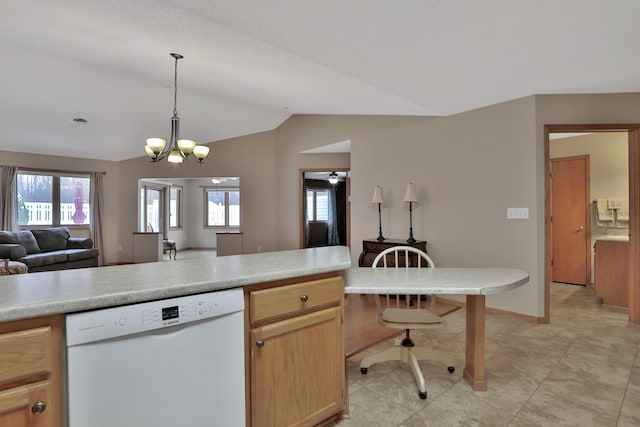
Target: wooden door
column 297, row 370
column 570, row 220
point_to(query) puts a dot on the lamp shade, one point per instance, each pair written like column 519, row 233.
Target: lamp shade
column 410, row 194
column 377, row 195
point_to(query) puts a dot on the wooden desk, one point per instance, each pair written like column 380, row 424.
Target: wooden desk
column 372, row 247
column 475, row 283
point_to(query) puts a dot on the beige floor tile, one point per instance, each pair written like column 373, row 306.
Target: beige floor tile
column 572, row 372
column 634, row 380
column 458, row 408
column 593, row 395
column 369, row 409
column 630, row 411
column 546, row 409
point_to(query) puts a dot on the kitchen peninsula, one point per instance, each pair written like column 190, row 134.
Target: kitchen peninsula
column 287, row 295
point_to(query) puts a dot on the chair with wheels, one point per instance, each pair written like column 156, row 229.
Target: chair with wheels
column 407, row 312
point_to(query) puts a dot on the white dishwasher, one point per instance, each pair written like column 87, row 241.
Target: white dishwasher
column 174, row 362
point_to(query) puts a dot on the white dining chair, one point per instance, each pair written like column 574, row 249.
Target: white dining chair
column 407, row 312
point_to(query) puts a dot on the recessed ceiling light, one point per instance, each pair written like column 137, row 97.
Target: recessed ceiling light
column 79, row 120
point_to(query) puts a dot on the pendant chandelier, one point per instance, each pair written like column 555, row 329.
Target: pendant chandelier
column 178, row 149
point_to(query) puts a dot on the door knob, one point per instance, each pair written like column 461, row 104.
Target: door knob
column 38, row 407
column 304, row 298
column 259, row 343
column 580, row 228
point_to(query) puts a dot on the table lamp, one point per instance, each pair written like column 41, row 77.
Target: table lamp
column 410, row 196
column 379, row 199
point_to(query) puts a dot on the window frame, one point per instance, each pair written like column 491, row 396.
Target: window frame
column 226, row 191
column 55, row 197
column 179, row 207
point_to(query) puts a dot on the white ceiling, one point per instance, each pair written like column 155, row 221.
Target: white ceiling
column 250, row 64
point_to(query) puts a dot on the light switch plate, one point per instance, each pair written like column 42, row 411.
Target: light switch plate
column 517, row 213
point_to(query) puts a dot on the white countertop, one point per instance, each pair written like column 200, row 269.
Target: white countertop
column 39, row 294
column 452, row 281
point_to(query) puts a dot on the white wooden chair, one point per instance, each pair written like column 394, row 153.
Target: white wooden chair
column 407, row 312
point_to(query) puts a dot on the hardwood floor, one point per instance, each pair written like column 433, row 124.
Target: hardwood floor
column 362, row 330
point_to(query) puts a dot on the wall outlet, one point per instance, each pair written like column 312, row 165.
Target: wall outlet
column 517, row 213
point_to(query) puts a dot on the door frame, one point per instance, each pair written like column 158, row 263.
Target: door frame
column 303, row 201
column 633, row 131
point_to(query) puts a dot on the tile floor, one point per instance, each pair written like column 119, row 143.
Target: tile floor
column 582, row 369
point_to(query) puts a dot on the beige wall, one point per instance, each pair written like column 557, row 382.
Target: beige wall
column 608, row 160
column 468, row 169
column 252, row 158
column 304, row 132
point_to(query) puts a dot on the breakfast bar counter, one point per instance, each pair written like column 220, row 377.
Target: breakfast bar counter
column 475, row 283
column 57, row 292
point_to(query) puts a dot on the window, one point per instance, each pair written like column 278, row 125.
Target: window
column 317, row 205
column 222, row 208
column 175, row 207
column 151, row 208
column 51, row 199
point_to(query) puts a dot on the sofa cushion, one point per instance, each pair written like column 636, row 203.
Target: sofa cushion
column 24, row 238
column 12, row 251
column 52, row 239
column 78, row 254
column 44, row 258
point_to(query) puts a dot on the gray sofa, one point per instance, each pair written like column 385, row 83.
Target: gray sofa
column 48, row 249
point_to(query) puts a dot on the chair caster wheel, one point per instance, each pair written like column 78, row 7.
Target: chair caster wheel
column 422, row 394
column 451, row 369
column 364, row 371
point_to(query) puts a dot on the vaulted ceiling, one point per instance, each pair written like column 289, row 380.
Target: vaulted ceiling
column 250, row 64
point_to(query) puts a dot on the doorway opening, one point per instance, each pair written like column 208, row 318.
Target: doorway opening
column 325, row 208
column 587, row 166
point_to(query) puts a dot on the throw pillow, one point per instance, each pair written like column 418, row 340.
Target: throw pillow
column 52, row 239
column 26, row 239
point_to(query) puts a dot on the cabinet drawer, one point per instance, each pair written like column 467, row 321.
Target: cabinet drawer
column 25, row 353
column 297, row 298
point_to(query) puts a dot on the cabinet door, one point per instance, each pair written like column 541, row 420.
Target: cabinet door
column 30, row 373
column 25, row 406
column 297, row 370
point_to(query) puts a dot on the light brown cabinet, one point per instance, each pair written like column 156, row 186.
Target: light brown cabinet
column 30, row 377
column 612, row 272
column 295, row 352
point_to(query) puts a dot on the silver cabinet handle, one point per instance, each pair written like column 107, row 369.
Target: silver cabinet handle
column 38, row 407
column 580, row 228
column 259, row 343
column 304, row 298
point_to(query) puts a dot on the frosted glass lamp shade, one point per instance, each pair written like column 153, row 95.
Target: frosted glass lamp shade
column 377, row 195
column 155, row 145
column 410, row 194
column 175, row 156
column 186, row 145
column 200, row 152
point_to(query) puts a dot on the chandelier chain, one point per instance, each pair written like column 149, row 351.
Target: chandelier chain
column 175, row 88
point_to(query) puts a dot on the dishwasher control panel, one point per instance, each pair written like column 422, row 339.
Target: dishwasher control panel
column 132, row 319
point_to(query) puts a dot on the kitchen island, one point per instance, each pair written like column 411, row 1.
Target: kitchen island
column 25, row 296
column 288, row 296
